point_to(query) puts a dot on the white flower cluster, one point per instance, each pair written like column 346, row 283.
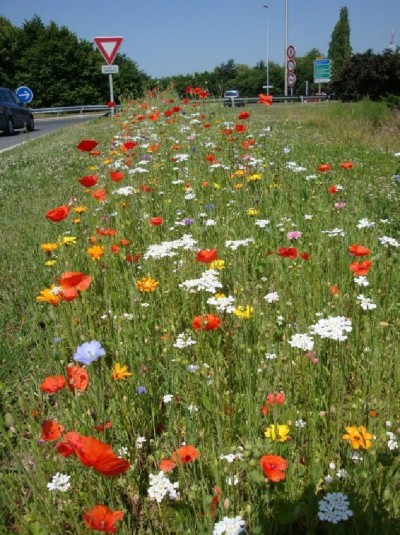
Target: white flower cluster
column 361, row 280
column 139, row 442
column 334, row 232
column 392, row 443
column 295, row 168
column 230, row 526
column 222, row 304
column 262, row 223
column 59, row 482
column 234, row 244
column 334, row 507
column 160, row 487
column 184, row 340
column 234, row 456
column 366, row 302
column 168, row 248
column 127, row 190
column 365, row 223
column 334, row 328
column 207, row 282
column 387, row 240
column 302, row 341
column 272, row 297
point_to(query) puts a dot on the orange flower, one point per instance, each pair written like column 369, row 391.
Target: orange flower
column 167, row 465
column 358, row 437
column 57, row 214
column 96, row 252
column 86, row 145
column 208, row 322
column 77, row 377
column 287, row 252
column 360, row 268
column 206, row 256
column 51, row 430
column 71, row 282
column 332, row 189
column 101, row 518
column 324, row 167
column 101, row 427
column 185, row 454
column 106, row 231
column 116, row 176
column 114, row 248
column 346, row 165
column 358, row 250
column 334, row 290
column 88, row 181
column 155, row 221
column 99, row 194
column 265, row 99
column 53, row 383
column 273, row 466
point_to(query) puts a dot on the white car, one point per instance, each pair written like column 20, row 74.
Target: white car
column 232, row 98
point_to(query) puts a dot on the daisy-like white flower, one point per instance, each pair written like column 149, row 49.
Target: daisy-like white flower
column 59, row 482
column 334, row 507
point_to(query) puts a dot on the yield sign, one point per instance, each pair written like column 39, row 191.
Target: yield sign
column 108, row 46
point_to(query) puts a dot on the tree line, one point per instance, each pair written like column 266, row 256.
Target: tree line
column 64, row 70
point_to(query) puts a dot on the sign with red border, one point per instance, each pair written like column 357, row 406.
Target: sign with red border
column 290, row 52
column 108, row 46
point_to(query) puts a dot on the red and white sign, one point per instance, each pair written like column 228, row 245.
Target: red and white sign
column 290, row 52
column 108, row 47
column 291, row 65
column 291, row 79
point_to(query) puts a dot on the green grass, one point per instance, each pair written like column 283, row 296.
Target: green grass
column 219, row 385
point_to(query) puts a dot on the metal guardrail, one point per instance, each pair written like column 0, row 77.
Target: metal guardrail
column 88, row 108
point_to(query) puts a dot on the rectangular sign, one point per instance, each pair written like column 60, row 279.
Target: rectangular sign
column 322, row 71
column 110, row 69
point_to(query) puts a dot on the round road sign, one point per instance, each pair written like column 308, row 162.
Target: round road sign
column 290, row 52
column 291, row 65
column 291, row 79
column 24, row 94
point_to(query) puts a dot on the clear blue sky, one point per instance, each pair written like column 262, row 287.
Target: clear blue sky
column 166, row 37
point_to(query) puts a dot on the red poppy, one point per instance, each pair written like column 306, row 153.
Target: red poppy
column 132, row 258
column 106, row 231
column 185, row 454
column 358, row 250
column 155, row 221
column 71, row 282
column 53, row 383
column 101, row 518
column 208, row 322
column 244, row 115
column 124, row 242
column 360, row 268
column 77, row 377
column 51, row 430
column 99, row 194
column 88, row 181
column 287, row 252
column 57, row 214
column 128, row 145
column 206, row 255
column 116, row 176
column 332, row 189
column 86, row 145
column 210, row 158
column 114, row 248
column 324, row 167
column 265, row 99
column 273, row 467
column 277, row 399
column 167, row 465
column 240, row 128
column 101, row 427
column 305, row 256
column 346, row 165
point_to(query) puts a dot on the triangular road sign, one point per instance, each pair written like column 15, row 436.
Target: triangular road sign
column 108, row 47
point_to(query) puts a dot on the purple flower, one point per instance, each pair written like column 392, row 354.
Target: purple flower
column 188, row 221
column 294, row 234
column 88, row 352
column 141, row 390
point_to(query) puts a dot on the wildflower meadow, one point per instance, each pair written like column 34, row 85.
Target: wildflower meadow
column 200, row 322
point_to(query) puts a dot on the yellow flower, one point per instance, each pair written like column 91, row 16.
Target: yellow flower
column 50, row 295
column 219, row 296
column 48, row 247
column 239, row 185
column 50, row 262
column 358, row 437
column 80, row 209
column 96, row 252
column 147, row 284
column 216, row 185
column 120, row 372
column 244, row 311
column 252, row 211
column 277, row 432
column 77, row 220
column 217, row 264
column 239, row 172
column 68, row 240
column 107, row 161
column 254, row 177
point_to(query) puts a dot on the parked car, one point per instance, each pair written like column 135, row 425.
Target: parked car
column 232, row 98
column 13, row 113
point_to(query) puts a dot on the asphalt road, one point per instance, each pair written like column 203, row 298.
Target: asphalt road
column 42, row 127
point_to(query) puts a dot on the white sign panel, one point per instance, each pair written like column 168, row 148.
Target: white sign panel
column 110, row 69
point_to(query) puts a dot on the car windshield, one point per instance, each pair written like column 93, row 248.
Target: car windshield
column 231, row 93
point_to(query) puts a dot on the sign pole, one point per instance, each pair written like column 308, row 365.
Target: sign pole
column 110, row 79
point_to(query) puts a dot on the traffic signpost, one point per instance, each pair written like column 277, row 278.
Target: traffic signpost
column 322, row 71
column 290, row 67
column 24, row 94
column 108, row 47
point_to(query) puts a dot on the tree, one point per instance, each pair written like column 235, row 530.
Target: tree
column 8, row 36
column 339, row 47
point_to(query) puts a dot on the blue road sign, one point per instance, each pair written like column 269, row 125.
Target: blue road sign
column 24, row 94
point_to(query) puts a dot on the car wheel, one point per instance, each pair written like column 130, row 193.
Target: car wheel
column 31, row 124
column 10, row 127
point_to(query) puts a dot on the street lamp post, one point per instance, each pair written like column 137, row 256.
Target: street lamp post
column 266, row 6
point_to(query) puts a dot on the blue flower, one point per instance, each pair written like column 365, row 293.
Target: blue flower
column 88, row 352
column 141, row 390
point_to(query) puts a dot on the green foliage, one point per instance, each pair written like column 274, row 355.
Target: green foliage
column 339, row 47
